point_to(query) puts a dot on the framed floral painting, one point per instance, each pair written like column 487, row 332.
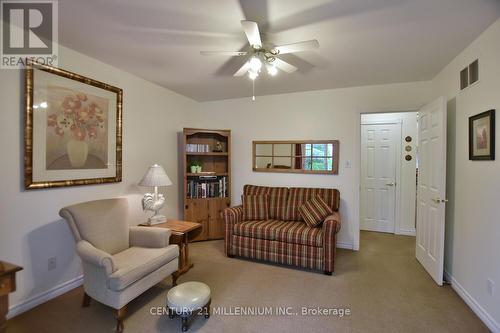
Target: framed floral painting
column 482, row 136
column 73, row 129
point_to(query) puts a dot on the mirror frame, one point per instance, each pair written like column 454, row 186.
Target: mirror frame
column 335, row 162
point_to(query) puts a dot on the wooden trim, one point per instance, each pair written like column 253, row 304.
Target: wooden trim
column 207, row 154
column 335, row 156
column 191, row 131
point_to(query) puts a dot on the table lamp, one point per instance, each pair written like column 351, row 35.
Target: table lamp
column 155, row 177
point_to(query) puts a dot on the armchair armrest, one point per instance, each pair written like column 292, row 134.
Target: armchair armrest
column 232, row 216
column 94, row 256
column 149, row 236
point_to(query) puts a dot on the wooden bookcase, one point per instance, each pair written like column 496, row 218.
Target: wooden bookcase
column 206, row 194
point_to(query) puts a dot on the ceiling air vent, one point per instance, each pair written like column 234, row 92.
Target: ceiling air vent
column 469, row 75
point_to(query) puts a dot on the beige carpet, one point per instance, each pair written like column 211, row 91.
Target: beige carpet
column 383, row 285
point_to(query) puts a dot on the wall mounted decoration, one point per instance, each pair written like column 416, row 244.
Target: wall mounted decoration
column 306, row 156
column 482, row 136
column 72, row 130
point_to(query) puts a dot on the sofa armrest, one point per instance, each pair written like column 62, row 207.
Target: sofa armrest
column 149, row 236
column 96, row 257
column 333, row 221
column 331, row 226
column 232, row 216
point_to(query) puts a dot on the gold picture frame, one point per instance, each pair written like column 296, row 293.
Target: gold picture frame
column 72, row 129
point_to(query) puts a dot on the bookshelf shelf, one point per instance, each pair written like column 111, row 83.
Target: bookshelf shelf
column 207, row 154
column 207, row 174
column 206, row 194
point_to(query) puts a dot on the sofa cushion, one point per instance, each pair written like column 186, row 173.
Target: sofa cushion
column 255, row 207
column 314, row 211
column 134, row 263
column 278, row 197
column 299, row 233
column 258, row 229
column 299, row 195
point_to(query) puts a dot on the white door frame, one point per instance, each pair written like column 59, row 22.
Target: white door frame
column 357, row 169
column 397, row 176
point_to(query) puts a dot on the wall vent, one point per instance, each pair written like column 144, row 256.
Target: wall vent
column 469, row 75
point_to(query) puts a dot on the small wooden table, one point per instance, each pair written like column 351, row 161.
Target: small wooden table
column 7, row 285
column 180, row 236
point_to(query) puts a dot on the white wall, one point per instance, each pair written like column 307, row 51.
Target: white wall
column 405, row 220
column 31, row 230
column 473, row 210
column 325, row 114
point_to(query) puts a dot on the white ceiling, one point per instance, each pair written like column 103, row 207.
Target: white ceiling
column 362, row 42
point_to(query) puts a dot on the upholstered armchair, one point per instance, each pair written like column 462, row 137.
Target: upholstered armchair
column 120, row 261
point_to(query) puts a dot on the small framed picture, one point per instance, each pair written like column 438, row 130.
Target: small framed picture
column 482, row 136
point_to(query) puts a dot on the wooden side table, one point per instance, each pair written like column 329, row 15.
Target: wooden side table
column 180, row 236
column 7, row 285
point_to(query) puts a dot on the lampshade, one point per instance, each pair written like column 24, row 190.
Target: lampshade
column 156, row 176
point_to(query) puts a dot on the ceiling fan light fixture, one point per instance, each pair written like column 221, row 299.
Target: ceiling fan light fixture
column 255, row 64
column 272, row 70
column 252, row 75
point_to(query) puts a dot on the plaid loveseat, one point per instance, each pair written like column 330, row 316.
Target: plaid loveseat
column 285, row 238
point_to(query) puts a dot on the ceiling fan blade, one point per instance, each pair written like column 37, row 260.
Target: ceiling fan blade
column 252, row 31
column 243, row 69
column 223, row 53
column 298, row 47
column 284, row 66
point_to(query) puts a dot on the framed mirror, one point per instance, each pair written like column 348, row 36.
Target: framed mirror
column 308, row 156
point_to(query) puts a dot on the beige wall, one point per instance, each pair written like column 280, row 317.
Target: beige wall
column 31, row 230
column 472, row 214
column 325, row 114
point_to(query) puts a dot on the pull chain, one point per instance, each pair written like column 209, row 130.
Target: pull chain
column 253, row 90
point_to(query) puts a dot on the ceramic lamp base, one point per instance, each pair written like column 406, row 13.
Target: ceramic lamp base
column 157, row 219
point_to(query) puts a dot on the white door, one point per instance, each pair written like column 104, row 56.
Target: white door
column 431, row 187
column 379, row 147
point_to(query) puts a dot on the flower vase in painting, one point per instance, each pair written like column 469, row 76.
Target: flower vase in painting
column 77, row 129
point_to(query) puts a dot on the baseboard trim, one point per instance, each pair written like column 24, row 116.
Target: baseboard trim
column 43, row 297
column 473, row 304
column 406, row 232
column 386, row 230
column 343, row 245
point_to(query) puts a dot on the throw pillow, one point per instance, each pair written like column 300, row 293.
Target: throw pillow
column 314, row 211
column 255, row 207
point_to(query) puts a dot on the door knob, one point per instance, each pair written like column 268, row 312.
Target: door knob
column 390, row 184
column 439, row 200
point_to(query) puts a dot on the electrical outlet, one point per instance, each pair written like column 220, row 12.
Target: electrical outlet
column 490, row 287
column 52, row 263
column 348, row 164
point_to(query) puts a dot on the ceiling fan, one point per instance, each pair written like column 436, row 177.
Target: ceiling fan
column 260, row 55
